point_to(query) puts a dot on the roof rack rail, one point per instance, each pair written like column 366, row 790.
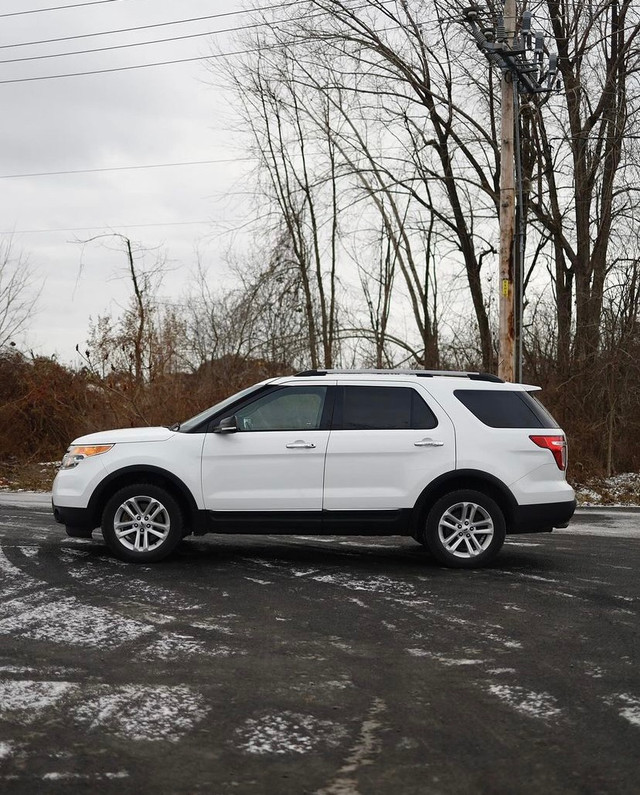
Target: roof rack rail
column 472, row 376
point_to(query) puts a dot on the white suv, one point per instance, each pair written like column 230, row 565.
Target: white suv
column 456, row 460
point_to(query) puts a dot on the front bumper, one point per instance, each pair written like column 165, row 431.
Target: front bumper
column 541, row 518
column 73, row 517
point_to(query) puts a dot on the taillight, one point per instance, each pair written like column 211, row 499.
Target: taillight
column 557, row 445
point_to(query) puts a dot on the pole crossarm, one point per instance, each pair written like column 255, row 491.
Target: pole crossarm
column 522, row 57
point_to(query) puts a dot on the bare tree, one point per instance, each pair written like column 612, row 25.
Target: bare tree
column 145, row 341
column 298, row 168
column 583, row 191
column 18, row 293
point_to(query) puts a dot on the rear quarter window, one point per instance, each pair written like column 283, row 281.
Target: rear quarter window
column 505, row 409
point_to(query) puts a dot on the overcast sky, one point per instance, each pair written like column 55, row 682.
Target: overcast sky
column 157, row 115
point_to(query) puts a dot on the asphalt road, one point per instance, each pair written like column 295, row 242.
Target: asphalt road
column 250, row 664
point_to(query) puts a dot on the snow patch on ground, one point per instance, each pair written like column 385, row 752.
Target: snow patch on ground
column 379, row 584
column 134, row 588
column 12, row 579
column 27, row 699
column 629, row 707
column 287, row 733
column 535, row 705
column 623, row 489
column 441, row 658
column 172, row 646
column 85, row 776
column 67, row 621
column 6, row 749
column 139, row 712
column 29, row 552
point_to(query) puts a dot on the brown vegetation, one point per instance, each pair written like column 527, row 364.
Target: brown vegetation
column 375, row 132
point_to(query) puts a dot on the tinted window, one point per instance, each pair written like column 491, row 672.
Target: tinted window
column 383, row 408
column 502, row 409
column 286, row 409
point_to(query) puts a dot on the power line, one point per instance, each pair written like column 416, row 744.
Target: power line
column 117, row 69
column 125, row 168
column 103, row 226
column 133, row 44
column 56, row 8
column 143, row 27
column 212, row 57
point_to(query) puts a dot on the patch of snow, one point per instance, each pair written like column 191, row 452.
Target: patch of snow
column 522, row 543
column 29, row 552
column 375, row 584
column 508, row 644
column 630, row 709
column 534, row 705
column 27, row 699
column 84, row 776
column 287, row 733
column 450, row 662
column 12, row 579
column 139, row 712
column 619, row 490
column 67, row 621
column 172, row 646
column 6, row 749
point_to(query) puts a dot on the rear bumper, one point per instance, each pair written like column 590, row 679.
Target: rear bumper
column 541, row 518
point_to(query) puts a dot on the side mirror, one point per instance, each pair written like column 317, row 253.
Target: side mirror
column 227, row 425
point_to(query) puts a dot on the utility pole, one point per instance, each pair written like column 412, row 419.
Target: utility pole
column 507, row 329
column 520, row 75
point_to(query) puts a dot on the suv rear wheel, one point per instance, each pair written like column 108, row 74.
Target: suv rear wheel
column 142, row 523
column 465, row 529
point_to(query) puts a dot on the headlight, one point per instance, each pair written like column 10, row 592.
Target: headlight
column 76, row 453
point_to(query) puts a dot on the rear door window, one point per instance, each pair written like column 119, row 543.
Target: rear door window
column 505, row 409
column 362, row 408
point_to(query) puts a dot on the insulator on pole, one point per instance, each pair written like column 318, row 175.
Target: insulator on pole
column 526, row 29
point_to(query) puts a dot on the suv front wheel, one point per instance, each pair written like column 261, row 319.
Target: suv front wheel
column 465, row 529
column 142, row 523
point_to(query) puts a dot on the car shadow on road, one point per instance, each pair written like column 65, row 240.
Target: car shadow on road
column 361, row 554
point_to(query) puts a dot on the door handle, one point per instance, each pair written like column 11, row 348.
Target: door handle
column 299, row 444
column 429, row 443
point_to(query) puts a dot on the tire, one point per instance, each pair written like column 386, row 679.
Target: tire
column 142, row 523
column 465, row 529
column 78, row 532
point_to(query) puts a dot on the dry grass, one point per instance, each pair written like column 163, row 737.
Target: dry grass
column 31, row 476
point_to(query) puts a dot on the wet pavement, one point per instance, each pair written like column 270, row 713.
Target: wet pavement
column 341, row 666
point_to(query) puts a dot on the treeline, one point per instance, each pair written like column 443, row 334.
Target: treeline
column 155, row 378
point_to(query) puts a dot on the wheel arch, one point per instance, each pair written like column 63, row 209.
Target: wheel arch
column 148, row 474
column 464, row 479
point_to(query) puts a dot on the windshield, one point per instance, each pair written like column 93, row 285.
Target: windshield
column 194, row 422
